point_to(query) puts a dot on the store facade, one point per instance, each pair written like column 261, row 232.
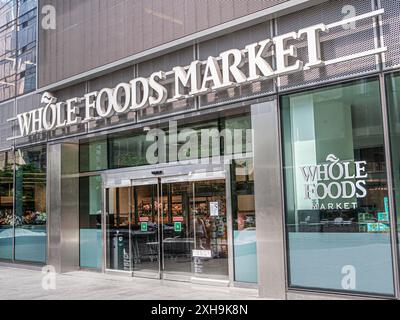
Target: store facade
column 259, row 153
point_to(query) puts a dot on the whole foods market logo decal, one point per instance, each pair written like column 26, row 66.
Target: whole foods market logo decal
column 336, row 184
column 231, row 68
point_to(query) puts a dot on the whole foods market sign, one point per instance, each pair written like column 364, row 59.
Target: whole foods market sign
column 335, row 184
column 231, row 68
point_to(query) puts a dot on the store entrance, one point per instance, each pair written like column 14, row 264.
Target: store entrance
column 172, row 228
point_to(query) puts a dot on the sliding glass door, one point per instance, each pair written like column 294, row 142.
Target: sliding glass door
column 168, row 228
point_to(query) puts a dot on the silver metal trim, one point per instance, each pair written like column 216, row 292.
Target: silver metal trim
column 143, row 182
column 229, row 222
column 207, row 176
column 313, row 294
column 390, row 185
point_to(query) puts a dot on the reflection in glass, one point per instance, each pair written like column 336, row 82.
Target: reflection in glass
column 240, row 130
column 90, row 189
column 393, row 97
column 17, row 47
column 337, row 208
column 93, row 155
column 244, row 219
column 178, row 241
column 208, row 215
column 30, row 205
column 145, row 229
column 128, row 151
column 6, row 205
column 117, row 229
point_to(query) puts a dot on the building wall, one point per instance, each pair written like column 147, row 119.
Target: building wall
column 78, row 47
column 92, row 33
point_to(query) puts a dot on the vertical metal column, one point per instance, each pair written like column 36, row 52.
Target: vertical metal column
column 269, row 200
column 63, row 207
column 393, row 217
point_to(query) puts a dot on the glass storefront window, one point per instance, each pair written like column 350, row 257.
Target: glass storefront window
column 93, row 155
column 188, row 140
column 6, row 205
column 128, row 150
column 90, row 200
column 240, row 129
column 30, row 205
column 244, row 219
column 337, row 207
column 202, row 140
column 393, row 99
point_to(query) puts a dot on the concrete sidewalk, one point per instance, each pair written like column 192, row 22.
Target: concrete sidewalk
column 27, row 285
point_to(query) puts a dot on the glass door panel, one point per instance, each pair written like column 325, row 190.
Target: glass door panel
column 177, row 227
column 209, row 216
column 177, row 233
column 118, row 253
column 145, row 239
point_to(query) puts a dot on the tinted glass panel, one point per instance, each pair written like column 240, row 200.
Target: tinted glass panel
column 6, row 205
column 18, row 22
column 93, row 155
column 90, row 190
column 128, row 151
column 30, row 205
column 393, row 95
column 337, row 203
column 244, row 219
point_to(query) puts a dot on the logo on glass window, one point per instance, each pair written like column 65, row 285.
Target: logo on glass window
column 336, row 184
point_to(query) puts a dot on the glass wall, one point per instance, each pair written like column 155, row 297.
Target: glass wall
column 30, row 205
column 90, row 202
column 225, row 136
column 337, row 207
column 6, row 205
column 128, row 150
column 242, row 137
column 93, row 155
column 244, row 221
column 393, row 99
column 17, row 47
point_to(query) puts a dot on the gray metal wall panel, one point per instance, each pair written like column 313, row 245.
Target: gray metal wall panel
column 54, row 206
column 7, row 111
column 63, row 207
column 337, row 43
column 92, row 33
column 165, row 63
column 391, row 32
column 111, row 80
column 237, row 40
column 70, row 208
column 269, row 200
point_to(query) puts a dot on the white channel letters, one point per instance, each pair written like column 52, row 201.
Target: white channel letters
column 231, row 68
column 336, row 184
